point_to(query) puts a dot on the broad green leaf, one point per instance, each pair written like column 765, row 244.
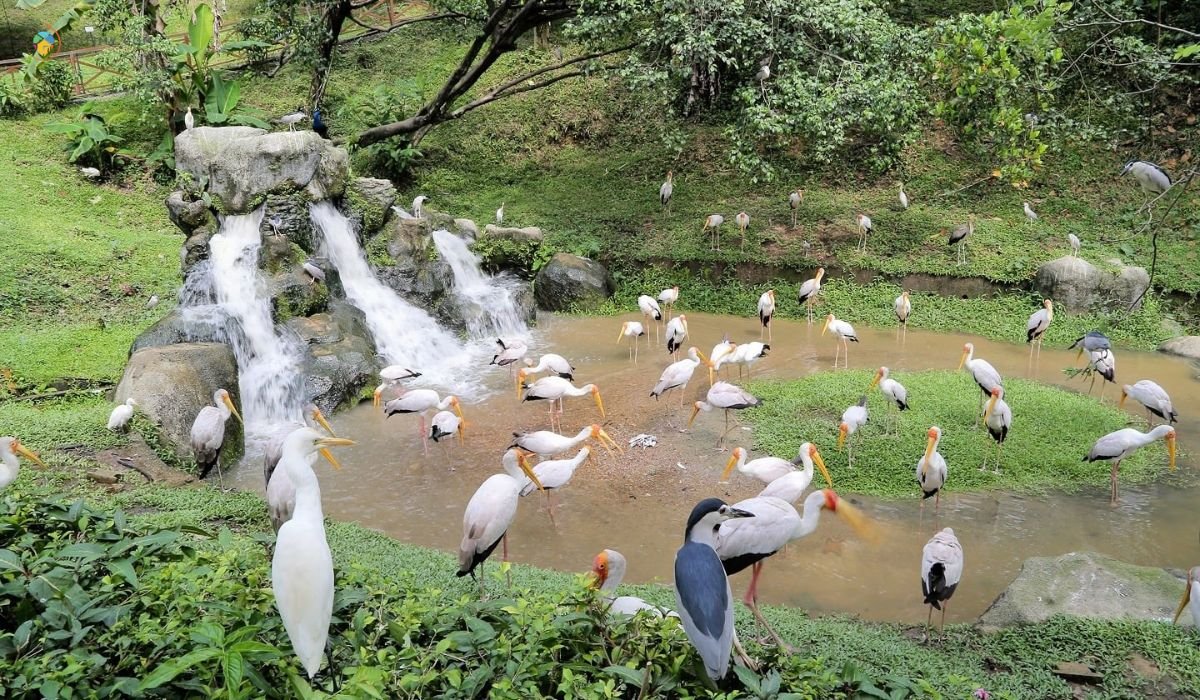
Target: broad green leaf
column 631, row 676
column 10, row 561
column 232, row 666
column 200, row 30
column 168, row 670
column 124, row 569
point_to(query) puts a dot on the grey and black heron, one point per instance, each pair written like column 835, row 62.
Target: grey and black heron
column 1091, row 341
column 1153, row 179
column 314, row 271
column 941, row 571
column 702, row 595
column 1030, row 215
column 291, row 119
column 11, row 450
column 1119, row 444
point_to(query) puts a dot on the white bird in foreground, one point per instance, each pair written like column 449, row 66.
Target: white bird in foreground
column 500, row 215
column 668, row 298
column 1075, row 244
column 795, row 199
column 726, row 397
column 1119, row 444
column 490, row 512
column 743, row 222
column 959, row 237
column 421, row 401
column 302, row 565
column 903, row 197
column 281, row 492
column 1191, row 597
column 864, row 227
column 809, row 290
column 445, row 424
column 608, row 569
column 678, row 374
column 702, row 595
column 766, row 310
column 853, row 418
column 941, row 570
column 843, row 333
column 417, row 205
column 903, row 308
column 189, row 119
column 1153, row 397
column 792, row 485
column 120, row 416
column 635, row 330
column 1030, row 214
column 998, row 419
column 546, row 443
column 10, row 449
column 931, row 469
column 650, row 311
column 392, row 375
column 713, row 222
column 676, row 333
column 556, row 388
column 1037, row 324
column 208, row 432
column 666, row 190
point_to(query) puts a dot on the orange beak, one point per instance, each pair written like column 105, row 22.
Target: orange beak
column 324, row 444
column 27, row 453
column 599, row 401
column 1187, row 598
column 843, row 430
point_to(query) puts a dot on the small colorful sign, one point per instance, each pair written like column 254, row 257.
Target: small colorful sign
column 45, row 43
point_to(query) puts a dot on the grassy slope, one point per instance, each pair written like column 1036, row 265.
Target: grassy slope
column 1052, row 429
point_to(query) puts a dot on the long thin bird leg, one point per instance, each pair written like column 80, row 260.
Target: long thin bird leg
column 741, row 652
column 424, row 436
column 928, row 622
column 942, row 625
column 1116, row 466
column 508, row 569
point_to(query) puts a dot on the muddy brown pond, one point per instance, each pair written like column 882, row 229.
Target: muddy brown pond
column 638, row 503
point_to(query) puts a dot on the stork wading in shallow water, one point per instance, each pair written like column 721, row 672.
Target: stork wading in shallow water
column 550, row 362
column 555, row 389
column 608, row 570
column 11, row 450
column 1103, row 363
column 302, row 565
column 941, row 571
column 982, row 372
column 853, row 418
column 843, row 333
column 509, row 352
column 795, row 199
column 391, row 375
column 720, row 354
column 554, row 474
column 546, row 443
column 997, row 418
column 959, row 237
column 1152, row 397
column 635, row 330
column 726, row 397
column 749, row 542
column 744, row 355
column 490, row 512
column 792, row 485
column 702, row 595
column 651, row 312
column 902, row 306
column 666, row 190
column 931, row 469
column 421, row 402
column 678, row 374
column 281, row 492
column 1119, row 444
column 713, row 223
column 766, row 311
column 893, row 390
column 676, row 333
column 447, row 423
column 809, row 291
column 1037, row 324
column 208, row 432
column 668, row 298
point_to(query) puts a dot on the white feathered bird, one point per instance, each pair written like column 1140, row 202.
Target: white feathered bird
column 1153, row 397
column 490, row 512
column 208, row 431
column 931, row 468
column 843, row 333
column 121, row 415
column 941, row 571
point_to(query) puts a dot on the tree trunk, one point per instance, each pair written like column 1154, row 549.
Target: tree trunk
column 335, row 17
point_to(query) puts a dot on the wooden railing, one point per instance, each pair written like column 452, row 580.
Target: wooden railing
column 93, row 79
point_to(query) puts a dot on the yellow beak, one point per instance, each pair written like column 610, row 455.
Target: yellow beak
column 842, row 436
column 325, row 443
column 599, row 401
column 854, row 517
column 521, row 460
column 821, row 466
column 875, row 381
column 28, row 454
column 520, row 381
column 925, row 459
column 1187, row 598
column 1121, row 403
column 1171, row 450
column 232, row 409
column 319, row 417
column 695, row 411
column 991, row 405
column 825, row 327
column 964, row 359
column 457, row 409
column 733, row 460
column 621, row 332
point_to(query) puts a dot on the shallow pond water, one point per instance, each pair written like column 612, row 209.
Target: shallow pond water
column 638, row 503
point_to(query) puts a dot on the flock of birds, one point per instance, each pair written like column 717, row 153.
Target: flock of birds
column 720, row 539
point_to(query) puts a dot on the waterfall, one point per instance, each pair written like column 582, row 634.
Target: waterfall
column 226, row 297
column 488, row 304
column 404, row 334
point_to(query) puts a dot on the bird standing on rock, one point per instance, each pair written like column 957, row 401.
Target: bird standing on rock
column 293, row 118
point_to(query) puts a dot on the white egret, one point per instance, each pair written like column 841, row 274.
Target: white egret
column 121, row 415
column 189, row 119
column 903, row 197
column 417, row 205
column 1030, row 215
column 500, row 215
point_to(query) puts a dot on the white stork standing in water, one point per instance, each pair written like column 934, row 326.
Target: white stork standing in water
column 1191, row 597
column 766, row 310
column 853, row 418
column 392, row 375
column 744, row 355
column 555, row 388
column 678, row 374
column 844, row 334
column 445, row 424
column 791, row 486
column 809, row 291
column 985, row 375
column 1103, row 363
column 546, row 443
column 931, row 469
column 668, row 298
column 677, row 331
column 1037, row 324
column 903, row 308
column 549, row 362
column 554, row 474
column 422, row 401
column 1153, row 397
column 726, row 397
column 997, row 417
column 650, row 311
column 509, row 352
column 1118, row 445
column 635, row 330
column 490, row 512
column 941, row 571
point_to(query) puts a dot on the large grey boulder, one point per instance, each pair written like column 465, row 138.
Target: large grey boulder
column 1085, row 584
column 188, row 215
column 405, row 258
column 171, row 383
column 529, row 233
column 1184, row 346
column 172, row 329
column 239, row 165
column 1077, row 286
column 339, row 356
column 570, row 280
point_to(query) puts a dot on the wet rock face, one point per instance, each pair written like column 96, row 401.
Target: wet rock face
column 570, row 280
column 1086, row 584
column 368, row 203
column 405, row 258
column 170, row 330
column 1077, row 286
column 238, row 166
column 171, row 383
column 339, row 355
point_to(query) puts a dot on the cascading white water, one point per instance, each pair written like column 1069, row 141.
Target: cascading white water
column 404, row 334
column 227, row 298
column 488, row 304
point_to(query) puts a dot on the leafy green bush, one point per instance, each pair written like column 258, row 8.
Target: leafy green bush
column 12, row 99
column 50, row 83
column 89, row 141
